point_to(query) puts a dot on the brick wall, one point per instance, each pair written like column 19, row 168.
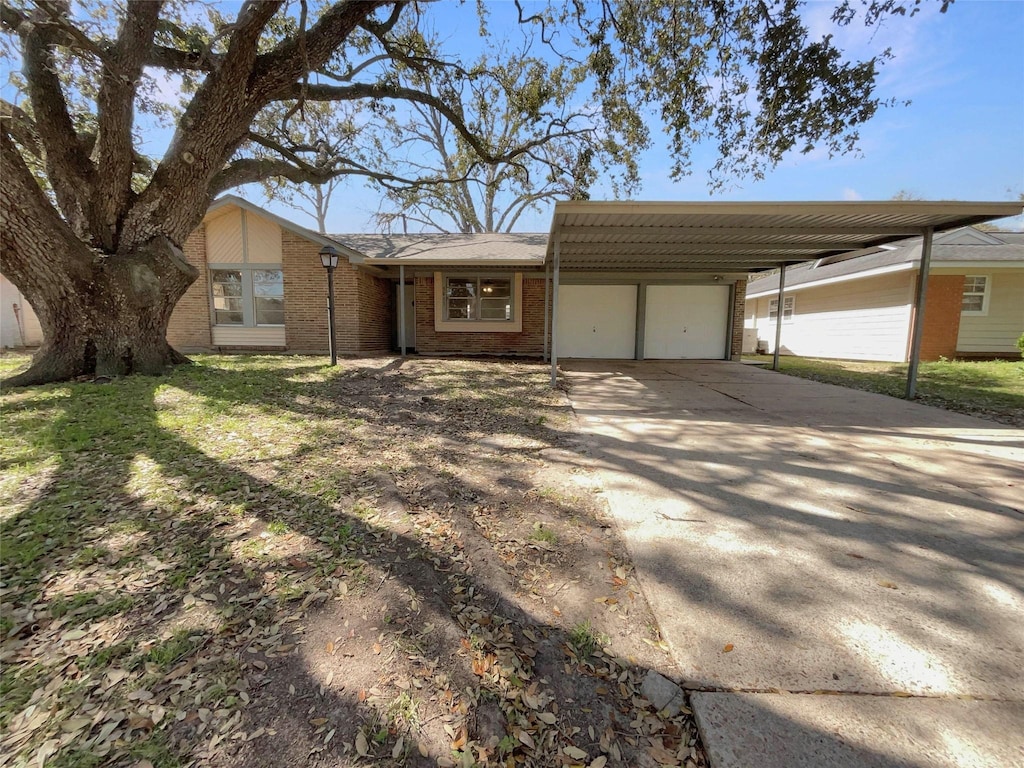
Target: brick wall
column 738, row 316
column 530, row 341
column 362, row 302
column 942, row 316
column 377, row 313
column 189, row 326
column 305, row 294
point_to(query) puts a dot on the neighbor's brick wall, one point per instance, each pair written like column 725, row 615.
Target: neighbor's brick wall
column 942, row 316
column 189, row 326
column 530, row 341
column 738, row 317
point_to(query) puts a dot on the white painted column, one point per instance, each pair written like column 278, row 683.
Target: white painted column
column 554, row 315
column 919, row 302
column 779, row 315
column 401, row 308
column 547, row 307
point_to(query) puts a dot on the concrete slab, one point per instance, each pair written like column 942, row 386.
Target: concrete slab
column 766, row 730
column 832, row 540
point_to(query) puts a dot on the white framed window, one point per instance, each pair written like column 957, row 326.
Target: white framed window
column 976, row 293
column 479, row 299
column 788, row 308
column 247, row 296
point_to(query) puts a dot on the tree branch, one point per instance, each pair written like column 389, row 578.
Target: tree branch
column 21, row 128
column 248, row 170
column 115, row 111
column 68, row 167
column 283, row 66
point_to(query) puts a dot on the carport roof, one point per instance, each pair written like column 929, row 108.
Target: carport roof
column 742, row 237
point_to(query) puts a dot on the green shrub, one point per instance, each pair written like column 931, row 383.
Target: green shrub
column 1020, row 344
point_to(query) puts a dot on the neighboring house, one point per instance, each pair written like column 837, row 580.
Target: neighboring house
column 262, row 287
column 19, row 326
column 860, row 306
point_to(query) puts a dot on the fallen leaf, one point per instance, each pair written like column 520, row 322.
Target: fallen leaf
column 727, row 648
column 575, row 753
column 361, row 746
column 600, row 762
column 396, row 751
column 547, row 717
column 527, row 739
column 887, row 585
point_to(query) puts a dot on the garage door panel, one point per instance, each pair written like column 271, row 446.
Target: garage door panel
column 597, row 321
column 686, row 322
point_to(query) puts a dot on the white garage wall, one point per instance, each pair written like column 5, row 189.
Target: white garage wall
column 865, row 319
column 686, row 322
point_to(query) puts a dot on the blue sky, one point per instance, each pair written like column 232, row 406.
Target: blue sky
column 962, row 136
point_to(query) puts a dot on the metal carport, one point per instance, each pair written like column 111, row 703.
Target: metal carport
column 609, row 237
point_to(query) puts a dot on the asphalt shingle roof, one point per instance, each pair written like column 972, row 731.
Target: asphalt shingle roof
column 489, row 248
column 1010, row 249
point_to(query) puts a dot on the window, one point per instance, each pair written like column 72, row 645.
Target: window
column 975, row 300
column 227, row 297
column 478, row 298
column 268, row 296
column 249, row 297
column 787, row 309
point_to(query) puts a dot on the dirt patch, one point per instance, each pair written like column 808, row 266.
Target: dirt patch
column 412, row 568
column 500, row 622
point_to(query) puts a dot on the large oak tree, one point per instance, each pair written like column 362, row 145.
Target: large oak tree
column 92, row 230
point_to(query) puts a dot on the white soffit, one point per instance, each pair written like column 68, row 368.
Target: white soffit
column 742, row 237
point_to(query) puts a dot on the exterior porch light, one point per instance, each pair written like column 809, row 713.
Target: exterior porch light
column 329, row 258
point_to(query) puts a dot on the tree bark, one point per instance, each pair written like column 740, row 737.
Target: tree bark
column 113, row 322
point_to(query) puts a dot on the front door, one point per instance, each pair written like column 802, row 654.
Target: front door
column 410, row 315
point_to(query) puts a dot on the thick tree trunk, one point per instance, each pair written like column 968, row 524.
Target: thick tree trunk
column 112, row 323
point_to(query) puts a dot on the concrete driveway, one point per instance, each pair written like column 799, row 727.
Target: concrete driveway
column 800, row 538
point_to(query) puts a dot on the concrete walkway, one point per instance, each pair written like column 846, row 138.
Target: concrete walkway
column 797, row 538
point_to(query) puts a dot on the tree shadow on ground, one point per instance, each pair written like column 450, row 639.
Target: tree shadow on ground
column 198, row 513
column 168, row 488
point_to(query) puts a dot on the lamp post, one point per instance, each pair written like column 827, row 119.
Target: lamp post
column 329, row 258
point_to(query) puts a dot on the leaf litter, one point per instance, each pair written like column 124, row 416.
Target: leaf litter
column 377, row 563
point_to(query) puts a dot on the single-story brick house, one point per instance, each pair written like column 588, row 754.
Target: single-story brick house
column 262, row 287
column 860, row 306
column 613, row 280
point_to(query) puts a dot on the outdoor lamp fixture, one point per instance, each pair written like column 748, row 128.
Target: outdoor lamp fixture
column 329, row 258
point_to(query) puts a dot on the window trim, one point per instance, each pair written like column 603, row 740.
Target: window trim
column 788, row 300
column 985, row 295
column 515, row 325
column 248, row 293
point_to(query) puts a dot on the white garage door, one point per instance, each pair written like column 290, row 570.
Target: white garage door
column 686, row 321
column 597, row 321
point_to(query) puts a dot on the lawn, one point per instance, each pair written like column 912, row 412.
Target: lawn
column 269, row 561
column 991, row 389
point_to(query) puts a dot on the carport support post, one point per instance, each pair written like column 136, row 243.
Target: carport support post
column 554, row 316
column 401, row 308
column 547, row 307
column 922, row 286
column 778, row 316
